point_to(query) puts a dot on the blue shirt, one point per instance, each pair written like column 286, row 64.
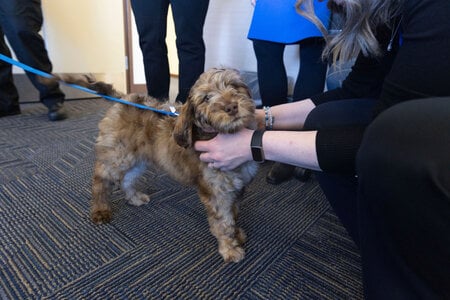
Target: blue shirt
column 278, row 21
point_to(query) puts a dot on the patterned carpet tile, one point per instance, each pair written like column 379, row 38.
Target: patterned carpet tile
column 319, row 265
column 49, row 248
column 30, row 142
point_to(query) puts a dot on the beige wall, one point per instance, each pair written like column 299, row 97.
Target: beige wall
column 86, row 36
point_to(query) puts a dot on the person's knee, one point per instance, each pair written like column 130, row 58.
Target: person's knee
column 15, row 26
column 371, row 154
column 407, row 138
column 22, row 27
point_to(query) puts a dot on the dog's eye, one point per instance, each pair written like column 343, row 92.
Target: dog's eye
column 206, row 98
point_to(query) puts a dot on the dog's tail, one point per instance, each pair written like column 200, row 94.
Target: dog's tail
column 84, row 80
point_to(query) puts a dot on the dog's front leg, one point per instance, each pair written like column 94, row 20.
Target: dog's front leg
column 222, row 213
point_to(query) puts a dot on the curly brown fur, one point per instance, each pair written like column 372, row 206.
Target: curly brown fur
column 130, row 139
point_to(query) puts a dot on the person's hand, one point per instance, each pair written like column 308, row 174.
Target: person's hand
column 226, row 151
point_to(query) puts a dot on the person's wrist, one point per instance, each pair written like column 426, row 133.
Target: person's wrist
column 260, row 116
column 269, row 119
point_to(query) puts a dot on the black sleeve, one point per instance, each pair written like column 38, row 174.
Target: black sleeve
column 422, row 65
column 337, row 148
column 421, row 69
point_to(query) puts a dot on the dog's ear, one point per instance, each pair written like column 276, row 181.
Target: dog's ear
column 240, row 84
column 182, row 132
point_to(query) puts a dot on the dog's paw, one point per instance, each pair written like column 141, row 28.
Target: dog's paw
column 138, row 199
column 101, row 216
column 235, row 254
column 100, row 212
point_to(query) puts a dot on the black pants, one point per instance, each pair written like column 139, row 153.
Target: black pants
column 272, row 77
column 398, row 207
column 151, row 21
column 404, row 201
column 341, row 190
column 20, row 22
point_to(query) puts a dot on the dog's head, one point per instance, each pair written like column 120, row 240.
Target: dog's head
column 219, row 102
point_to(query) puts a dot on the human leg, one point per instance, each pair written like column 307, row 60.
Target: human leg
column 9, row 97
column 273, row 88
column 310, row 81
column 404, row 202
column 21, row 23
column 312, row 71
column 151, row 23
column 189, row 19
column 341, row 189
column 272, row 78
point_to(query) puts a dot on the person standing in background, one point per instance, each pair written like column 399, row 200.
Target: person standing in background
column 274, row 25
column 20, row 22
column 151, row 21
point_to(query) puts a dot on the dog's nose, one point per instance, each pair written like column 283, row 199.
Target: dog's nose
column 231, row 108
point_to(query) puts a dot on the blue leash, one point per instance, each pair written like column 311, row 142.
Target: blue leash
column 82, row 88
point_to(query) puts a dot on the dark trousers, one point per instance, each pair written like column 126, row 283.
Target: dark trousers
column 189, row 18
column 404, row 202
column 341, row 190
column 272, row 77
column 20, row 22
column 397, row 209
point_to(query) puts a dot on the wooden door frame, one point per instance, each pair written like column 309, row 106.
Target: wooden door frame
column 132, row 87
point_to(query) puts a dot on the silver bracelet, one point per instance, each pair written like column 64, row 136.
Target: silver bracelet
column 268, row 117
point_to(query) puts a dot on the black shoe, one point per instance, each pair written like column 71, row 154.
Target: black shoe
column 280, row 173
column 11, row 112
column 302, row 174
column 57, row 112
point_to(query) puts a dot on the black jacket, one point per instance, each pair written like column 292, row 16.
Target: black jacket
column 419, row 68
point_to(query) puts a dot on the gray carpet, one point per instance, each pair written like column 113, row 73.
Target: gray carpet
column 49, row 249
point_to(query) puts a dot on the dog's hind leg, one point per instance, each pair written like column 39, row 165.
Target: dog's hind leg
column 133, row 196
column 101, row 190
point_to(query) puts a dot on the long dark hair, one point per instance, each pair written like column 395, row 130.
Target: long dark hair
column 361, row 19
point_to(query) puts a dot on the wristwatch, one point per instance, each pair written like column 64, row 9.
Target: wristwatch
column 257, row 147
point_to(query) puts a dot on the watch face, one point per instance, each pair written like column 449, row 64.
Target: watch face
column 257, row 154
column 256, row 146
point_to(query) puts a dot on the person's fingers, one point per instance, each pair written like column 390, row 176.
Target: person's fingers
column 206, row 157
column 201, row 146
